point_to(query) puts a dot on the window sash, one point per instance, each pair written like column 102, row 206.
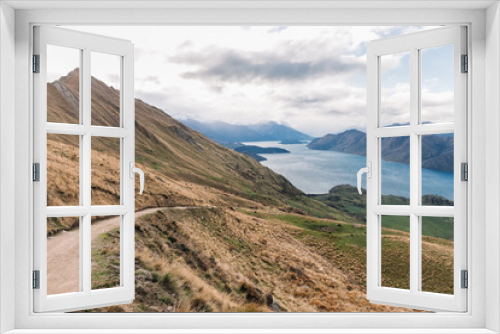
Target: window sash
column 414, row 298
column 86, row 298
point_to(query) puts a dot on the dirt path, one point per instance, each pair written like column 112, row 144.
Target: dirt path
column 63, row 252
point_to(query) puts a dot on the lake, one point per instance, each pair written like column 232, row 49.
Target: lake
column 316, row 172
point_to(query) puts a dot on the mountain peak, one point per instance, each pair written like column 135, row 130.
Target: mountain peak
column 223, row 132
column 72, row 78
column 352, row 131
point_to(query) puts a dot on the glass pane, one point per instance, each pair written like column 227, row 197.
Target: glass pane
column 63, row 84
column 63, row 255
column 395, row 167
column 63, row 170
column 396, row 252
column 105, row 171
column 105, row 252
column 437, row 169
column 395, row 89
column 437, row 254
column 105, row 71
column 437, row 84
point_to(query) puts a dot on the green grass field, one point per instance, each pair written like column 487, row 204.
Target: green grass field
column 345, row 244
column 346, row 199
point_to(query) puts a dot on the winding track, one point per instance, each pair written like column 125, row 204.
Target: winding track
column 63, row 250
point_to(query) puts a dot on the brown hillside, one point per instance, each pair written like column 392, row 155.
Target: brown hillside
column 171, row 154
column 221, row 260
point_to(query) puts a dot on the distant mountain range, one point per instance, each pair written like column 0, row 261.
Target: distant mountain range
column 437, row 150
column 224, row 133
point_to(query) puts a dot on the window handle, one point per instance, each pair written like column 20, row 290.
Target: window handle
column 368, row 171
column 141, row 175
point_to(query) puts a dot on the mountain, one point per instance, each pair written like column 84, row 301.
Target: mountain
column 350, row 141
column 254, row 151
column 222, row 132
column 229, row 235
column 260, row 150
column 437, row 150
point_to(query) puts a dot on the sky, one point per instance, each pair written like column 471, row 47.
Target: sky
column 310, row 78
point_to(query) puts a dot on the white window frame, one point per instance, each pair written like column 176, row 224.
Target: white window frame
column 414, row 43
column 85, row 43
column 484, row 121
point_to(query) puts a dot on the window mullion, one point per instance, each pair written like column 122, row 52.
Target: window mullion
column 86, row 171
column 414, row 173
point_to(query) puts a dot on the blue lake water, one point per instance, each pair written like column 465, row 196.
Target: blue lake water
column 316, row 172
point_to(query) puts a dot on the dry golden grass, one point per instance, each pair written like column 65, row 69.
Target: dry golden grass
column 437, row 265
column 246, row 259
column 214, row 259
column 63, row 162
column 105, row 178
column 396, row 260
column 63, row 177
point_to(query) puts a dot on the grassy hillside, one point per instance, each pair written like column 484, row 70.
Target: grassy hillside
column 220, row 260
column 236, row 237
column 223, row 260
column 346, row 199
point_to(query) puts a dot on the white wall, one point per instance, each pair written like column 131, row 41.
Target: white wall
column 7, row 160
column 479, row 122
column 492, row 165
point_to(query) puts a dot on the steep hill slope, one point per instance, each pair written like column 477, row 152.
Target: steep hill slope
column 437, row 150
column 182, row 166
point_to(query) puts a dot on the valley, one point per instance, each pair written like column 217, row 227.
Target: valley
column 246, row 240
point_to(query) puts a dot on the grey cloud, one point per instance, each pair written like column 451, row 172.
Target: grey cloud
column 157, row 99
column 322, row 99
column 335, row 112
column 151, row 79
column 306, row 101
column 185, row 45
column 169, row 102
column 141, row 53
column 394, row 31
column 277, row 29
column 438, row 101
column 231, row 66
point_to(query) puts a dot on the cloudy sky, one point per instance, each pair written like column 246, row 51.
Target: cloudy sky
column 310, row 78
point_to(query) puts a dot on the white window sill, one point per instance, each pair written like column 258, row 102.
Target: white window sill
column 252, row 331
